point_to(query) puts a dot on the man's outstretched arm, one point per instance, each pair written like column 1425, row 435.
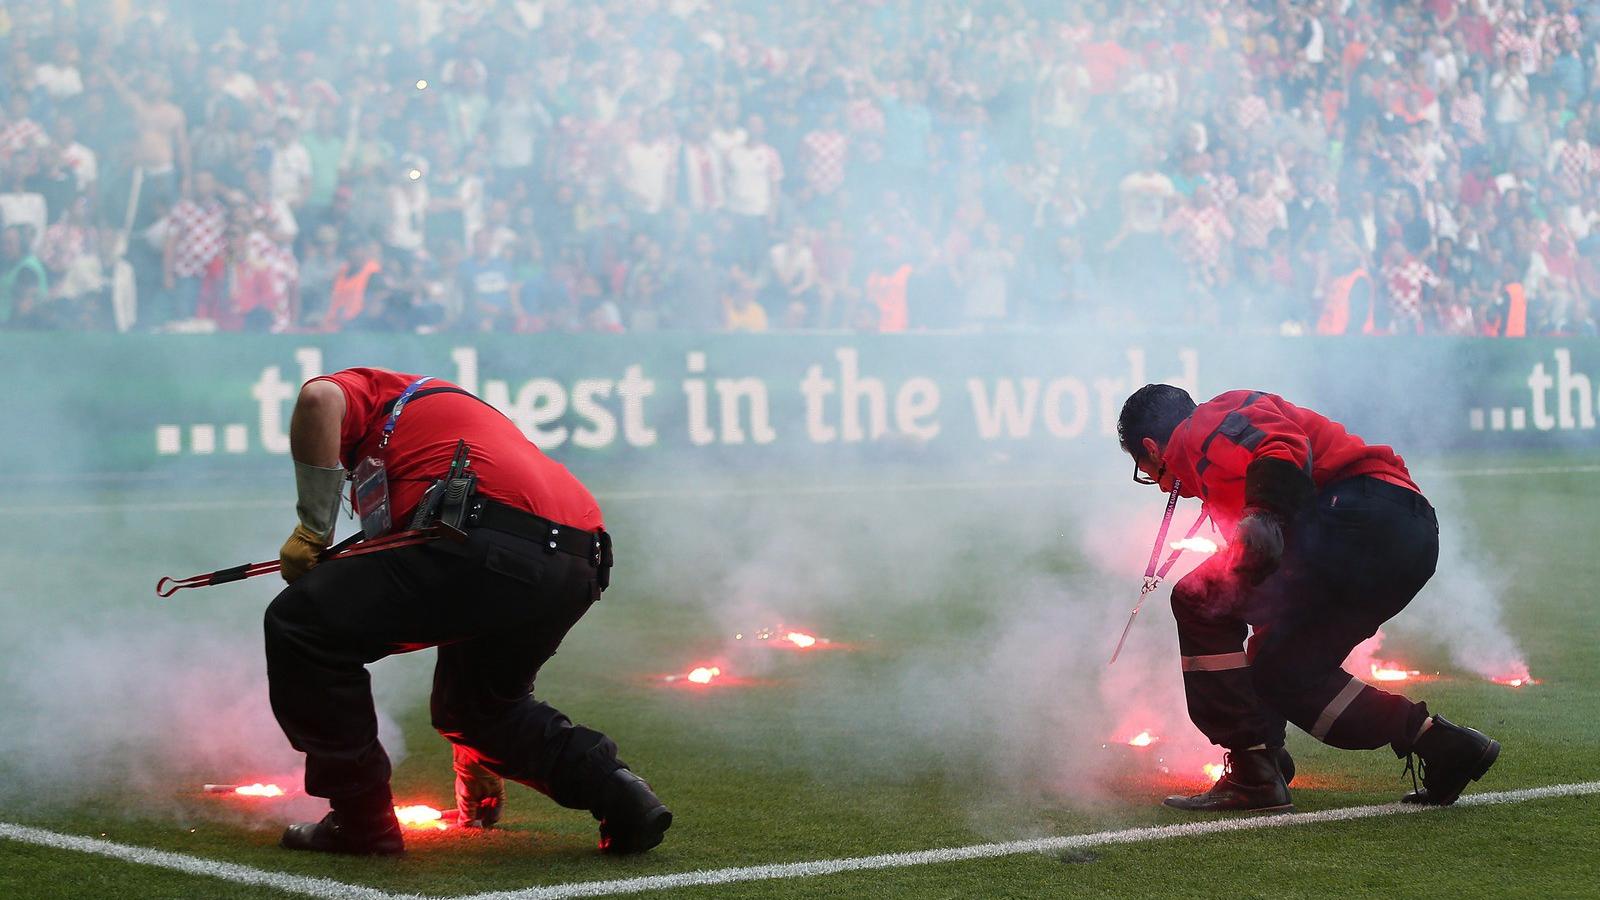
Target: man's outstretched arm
column 318, row 477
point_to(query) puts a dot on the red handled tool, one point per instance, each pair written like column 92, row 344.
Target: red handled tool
column 1152, row 576
column 351, row 546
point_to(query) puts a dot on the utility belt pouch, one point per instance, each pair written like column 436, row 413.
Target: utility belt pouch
column 602, row 558
column 428, row 508
column 446, row 503
column 454, row 501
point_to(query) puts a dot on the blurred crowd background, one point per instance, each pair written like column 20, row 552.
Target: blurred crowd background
column 1337, row 166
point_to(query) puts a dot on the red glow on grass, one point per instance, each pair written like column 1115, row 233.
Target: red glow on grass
column 1522, row 681
column 420, row 817
column 1142, row 739
column 1197, row 544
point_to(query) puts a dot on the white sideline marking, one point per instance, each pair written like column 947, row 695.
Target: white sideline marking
column 889, row 487
column 1013, row 848
column 335, row 890
column 194, row 865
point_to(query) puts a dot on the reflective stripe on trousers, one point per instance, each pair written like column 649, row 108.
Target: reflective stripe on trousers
column 1215, row 662
column 1340, row 702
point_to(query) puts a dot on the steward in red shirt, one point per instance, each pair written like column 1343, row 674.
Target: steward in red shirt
column 1330, row 538
column 528, row 558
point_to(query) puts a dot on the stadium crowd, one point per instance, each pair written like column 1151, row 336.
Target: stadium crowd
column 884, row 165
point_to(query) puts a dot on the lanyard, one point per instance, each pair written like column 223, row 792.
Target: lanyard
column 1161, row 535
column 400, row 407
column 1151, row 577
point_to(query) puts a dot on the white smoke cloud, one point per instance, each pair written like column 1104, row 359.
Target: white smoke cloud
column 110, row 690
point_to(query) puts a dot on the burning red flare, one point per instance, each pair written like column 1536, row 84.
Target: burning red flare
column 1142, row 739
column 1515, row 675
column 1214, row 771
column 783, row 637
column 245, row 790
column 419, row 816
column 1197, row 544
column 1390, row 671
column 697, row 675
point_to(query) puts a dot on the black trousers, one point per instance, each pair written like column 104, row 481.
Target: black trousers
column 496, row 606
column 1350, row 564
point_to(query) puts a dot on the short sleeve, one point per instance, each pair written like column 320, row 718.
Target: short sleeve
column 360, row 405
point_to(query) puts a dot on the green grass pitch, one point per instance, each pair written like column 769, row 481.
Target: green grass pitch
column 931, row 730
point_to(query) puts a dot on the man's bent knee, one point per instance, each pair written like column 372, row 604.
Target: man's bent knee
column 284, row 615
column 1280, row 678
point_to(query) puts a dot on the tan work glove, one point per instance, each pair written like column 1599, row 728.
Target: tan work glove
column 300, row 553
column 480, row 793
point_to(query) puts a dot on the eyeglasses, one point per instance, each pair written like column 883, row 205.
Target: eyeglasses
column 1140, row 478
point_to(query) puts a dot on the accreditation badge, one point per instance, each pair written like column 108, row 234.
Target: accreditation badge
column 372, row 497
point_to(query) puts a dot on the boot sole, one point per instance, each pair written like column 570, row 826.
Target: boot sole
column 1269, row 810
column 341, row 850
column 1489, row 756
column 656, row 823
column 646, row 836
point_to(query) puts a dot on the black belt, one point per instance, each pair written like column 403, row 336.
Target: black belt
column 594, row 546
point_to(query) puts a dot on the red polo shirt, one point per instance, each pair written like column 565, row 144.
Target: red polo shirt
column 509, row 467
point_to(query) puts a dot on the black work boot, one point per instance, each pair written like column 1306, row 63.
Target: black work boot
column 632, row 818
column 1251, row 781
column 333, row 835
column 1285, row 764
column 480, row 793
column 1451, row 756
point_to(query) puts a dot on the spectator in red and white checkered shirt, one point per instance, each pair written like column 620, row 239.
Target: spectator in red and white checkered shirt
column 1224, row 187
column 271, row 232
column 1405, row 276
column 1259, row 213
column 1249, row 111
column 1572, row 161
column 196, row 236
column 1202, row 232
column 1514, row 36
column 20, row 131
column 67, row 242
column 823, row 153
column 1466, row 113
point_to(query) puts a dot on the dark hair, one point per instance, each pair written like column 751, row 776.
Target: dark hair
column 1152, row 412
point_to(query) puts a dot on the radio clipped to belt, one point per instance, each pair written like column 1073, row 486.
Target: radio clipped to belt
column 447, row 501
